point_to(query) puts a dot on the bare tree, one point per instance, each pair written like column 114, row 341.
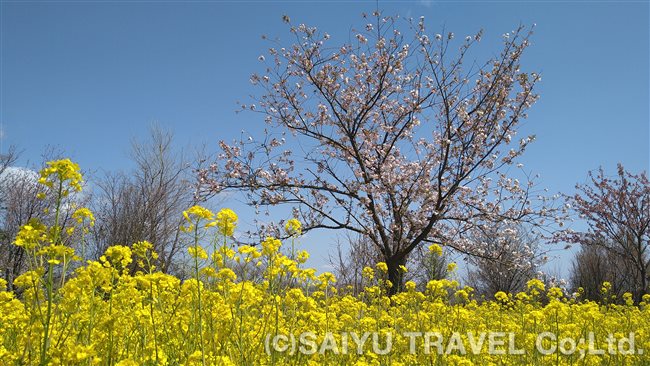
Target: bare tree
column 617, row 212
column 594, row 265
column 352, row 256
column 20, row 203
column 390, row 137
column 505, row 270
column 146, row 204
column 11, row 261
column 8, row 159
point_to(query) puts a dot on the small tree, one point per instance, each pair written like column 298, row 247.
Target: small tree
column 594, row 265
column 617, row 213
column 353, row 254
column 505, row 270
column 388, row 136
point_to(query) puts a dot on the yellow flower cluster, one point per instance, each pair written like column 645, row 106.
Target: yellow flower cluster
column 58, row 173
column 103, row 314
column 84, row 214
column 270, row 245
column 226, row 221
column 196, row 251
column 117, row 256
column 435, row 249
column 293, row 227
column 31, row 235
column 382, row 266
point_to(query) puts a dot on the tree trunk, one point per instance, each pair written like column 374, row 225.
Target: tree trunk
column 643, row 269
column 644, row 283
column 395, row 273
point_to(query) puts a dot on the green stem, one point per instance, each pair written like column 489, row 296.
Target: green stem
column 153, row 322
column 198, row 290
column 50, row 279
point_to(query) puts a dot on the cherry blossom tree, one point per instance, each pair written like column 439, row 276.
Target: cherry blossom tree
column 617, row 213
column 390, row 136
column 505, row 271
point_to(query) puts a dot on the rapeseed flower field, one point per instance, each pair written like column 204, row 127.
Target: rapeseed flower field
column 260, row 305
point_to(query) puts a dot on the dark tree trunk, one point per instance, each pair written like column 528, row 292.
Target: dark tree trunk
column 644, row 285
column 395, row 274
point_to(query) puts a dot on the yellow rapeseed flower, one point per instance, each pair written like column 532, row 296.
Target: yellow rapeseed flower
column 226, row 221
column 382, row 267
column 435, row 249
column 82, row 214
column 270, row 246
column 451, row 267
column 194, row 215
column 63, row 173
column 196, row 251
column 117, row 256
column 293, row 227
column 31, row 235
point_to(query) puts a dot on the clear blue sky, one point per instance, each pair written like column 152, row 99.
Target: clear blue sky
column 89, row 76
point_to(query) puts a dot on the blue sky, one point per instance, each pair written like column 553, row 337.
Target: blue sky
column 88, row 76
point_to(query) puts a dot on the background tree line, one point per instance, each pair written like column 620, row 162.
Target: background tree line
column 144, row 204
